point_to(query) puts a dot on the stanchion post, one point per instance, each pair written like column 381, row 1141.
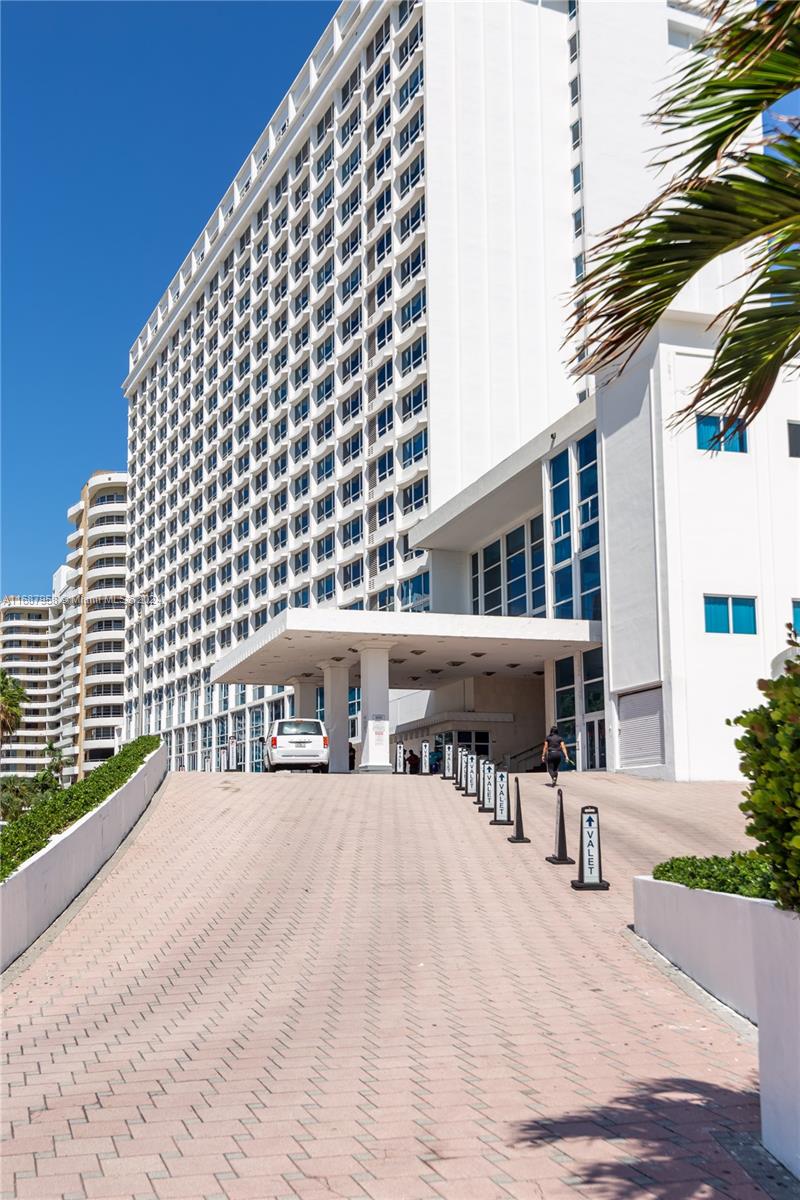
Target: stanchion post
column 447, row 761
column 519, row 832
column 559, row 855
column 472, row 775
column 425, row 758
column 488, row 787
column 399, row 758
column 590, row 865
column 502, row 800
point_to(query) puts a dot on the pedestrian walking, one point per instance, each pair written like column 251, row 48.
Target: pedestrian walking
column 554, row 752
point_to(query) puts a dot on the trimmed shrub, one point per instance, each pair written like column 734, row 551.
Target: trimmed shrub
column 770, row 749
column 32, row 830
column 744, row 873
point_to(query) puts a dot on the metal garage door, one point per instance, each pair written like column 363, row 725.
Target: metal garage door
column 641, row 728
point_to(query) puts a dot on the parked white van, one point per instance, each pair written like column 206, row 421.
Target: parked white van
column 297, row 744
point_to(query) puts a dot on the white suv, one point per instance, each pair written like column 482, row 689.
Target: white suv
column 297, row 743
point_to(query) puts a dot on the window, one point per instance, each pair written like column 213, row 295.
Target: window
column 590, row 587
column 384, row 601
column 561, row 535
column 538, row 586
column 710, row 435
column 415, row 594
column 409, row 89
column 353, row 573
column 386, row 560
column 325, row 547
column 796, row 616
column 565, row 702
column 326, row 587
column 577, row 178
column 575, row 134
column 414, row 355
column 794, row 438
column 492, row 579
column 413, row 309
column 415, row 448
column 577, row 222
column 730, row 614
column 579, row 266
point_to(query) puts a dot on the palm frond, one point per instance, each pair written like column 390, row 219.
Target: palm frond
column 746, row 63
column 641, row 266
column 761, row 334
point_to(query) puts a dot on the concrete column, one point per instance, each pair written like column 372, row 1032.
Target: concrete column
column 337, row 689
column 305, row 698
column 375, row 751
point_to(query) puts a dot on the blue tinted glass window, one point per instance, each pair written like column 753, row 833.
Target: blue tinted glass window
column 587, row 450
column 707, row 432
column 560, row 498
column 559, row 467
column 716, row 611
column 735, row 439
column 744, row 614
column 796, row 615
column 565, row 672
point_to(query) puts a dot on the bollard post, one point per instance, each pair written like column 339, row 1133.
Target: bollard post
column 478, row 801
column 519, row 832
column 399, row 758
column 590, row 867
column 559, row 854
column 472, row 775
column 502, row 807
column 488, row 788
column 425, row 758
column 460, row 769
column 447, row 761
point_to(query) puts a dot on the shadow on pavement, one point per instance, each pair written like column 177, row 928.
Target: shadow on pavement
column 675, row 1138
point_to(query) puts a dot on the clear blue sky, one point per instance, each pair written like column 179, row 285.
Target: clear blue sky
column 123, row 123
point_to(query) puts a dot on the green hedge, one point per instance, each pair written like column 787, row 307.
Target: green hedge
column 770, row 749
column 32, row 830
column 744, row 873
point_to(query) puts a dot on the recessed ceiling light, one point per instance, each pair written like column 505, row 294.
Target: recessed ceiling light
column 434, row 670
column 512, row 665
column 456, row 663
column 478, row 653
column 417, row 651
column 397, row 661
column 488, row 672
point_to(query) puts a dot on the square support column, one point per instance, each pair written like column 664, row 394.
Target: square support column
column 375, row 753
column 305, row 698
column 337, row 722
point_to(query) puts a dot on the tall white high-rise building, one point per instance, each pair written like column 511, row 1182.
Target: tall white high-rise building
column 372, row 318
column 67, row 649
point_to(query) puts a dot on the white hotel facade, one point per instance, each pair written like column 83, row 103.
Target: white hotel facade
column 357, row 463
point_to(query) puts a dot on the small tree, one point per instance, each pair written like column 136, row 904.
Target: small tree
column 770, row 748
column 12, row 698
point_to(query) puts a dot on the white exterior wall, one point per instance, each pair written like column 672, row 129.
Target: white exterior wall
column 499, row 231
column 680, row 524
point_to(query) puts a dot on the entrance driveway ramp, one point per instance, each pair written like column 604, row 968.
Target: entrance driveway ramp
column 310, row 986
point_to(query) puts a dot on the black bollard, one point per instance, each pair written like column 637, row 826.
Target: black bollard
column 559, row 854
column 590, row 869
column 519, row 832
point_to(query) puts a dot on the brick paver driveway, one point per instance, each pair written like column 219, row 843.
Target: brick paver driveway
column 314, row 987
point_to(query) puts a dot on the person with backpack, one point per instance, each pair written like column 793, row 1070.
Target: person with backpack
column 554, row 752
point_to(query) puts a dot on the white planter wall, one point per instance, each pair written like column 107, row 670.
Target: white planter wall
column 746, row 953
column 37, row 893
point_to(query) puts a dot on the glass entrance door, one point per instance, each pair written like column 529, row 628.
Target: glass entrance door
column 595, row 744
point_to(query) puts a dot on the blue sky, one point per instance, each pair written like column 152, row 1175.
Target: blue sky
column 122, row 125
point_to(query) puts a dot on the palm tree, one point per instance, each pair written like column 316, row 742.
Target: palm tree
column 12, row 698
column 730, row 191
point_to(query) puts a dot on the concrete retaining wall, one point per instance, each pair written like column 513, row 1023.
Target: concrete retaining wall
column 747, row 954
column 37, row 893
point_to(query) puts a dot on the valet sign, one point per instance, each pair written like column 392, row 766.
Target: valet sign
column 501, row 796
column 590, row 846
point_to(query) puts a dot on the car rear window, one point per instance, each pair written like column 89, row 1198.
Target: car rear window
column 306, row 728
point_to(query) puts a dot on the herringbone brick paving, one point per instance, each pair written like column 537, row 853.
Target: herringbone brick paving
column 347, row 987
